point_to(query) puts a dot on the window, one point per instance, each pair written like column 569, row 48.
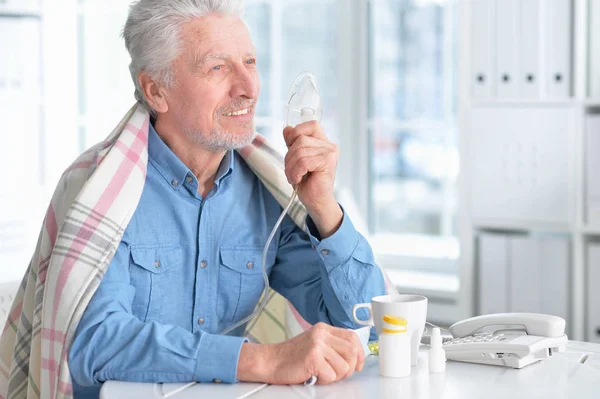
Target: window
column 105, row 85
column 408, row 59
column 412, row 130
column 287, row 46
column 21, row 113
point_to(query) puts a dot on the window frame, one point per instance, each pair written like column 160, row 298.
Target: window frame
column 352, row 32
column 355, row 151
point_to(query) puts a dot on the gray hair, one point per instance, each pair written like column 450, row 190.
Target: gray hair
column 152, row 38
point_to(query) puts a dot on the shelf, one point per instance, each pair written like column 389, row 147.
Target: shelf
column 592, row 103
column 591, row 230
column 523, row 227
column 20, row 12
column 536, row 228
column 507, row 102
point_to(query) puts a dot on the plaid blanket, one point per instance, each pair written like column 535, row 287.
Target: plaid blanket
column 89, row 211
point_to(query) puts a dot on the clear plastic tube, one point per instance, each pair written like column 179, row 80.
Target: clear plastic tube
column 304, row 104
column 265, row 294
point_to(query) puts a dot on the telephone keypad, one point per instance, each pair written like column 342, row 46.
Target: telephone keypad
column 483, row 337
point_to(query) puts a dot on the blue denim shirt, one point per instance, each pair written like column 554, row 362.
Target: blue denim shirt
column 189, row 267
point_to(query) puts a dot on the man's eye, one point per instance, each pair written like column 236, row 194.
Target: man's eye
column 217, row 68
column 251, row 61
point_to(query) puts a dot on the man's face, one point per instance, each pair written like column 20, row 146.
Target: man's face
column 216, row 83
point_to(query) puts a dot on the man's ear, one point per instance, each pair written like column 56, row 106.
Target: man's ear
column 153, row 92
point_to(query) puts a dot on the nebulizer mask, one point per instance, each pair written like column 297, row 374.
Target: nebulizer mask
column 303, row 105
column 304, row 101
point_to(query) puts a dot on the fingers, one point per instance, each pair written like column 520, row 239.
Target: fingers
column 287, row 132
column 310, row 129
column 308, row 154
column 343, row 333
column 348, row 351
column 325, row 373
column 337, row 363
column 352, row 338
column 306, row 146
column 303, row 167
column 341, row 348
column 335, row 354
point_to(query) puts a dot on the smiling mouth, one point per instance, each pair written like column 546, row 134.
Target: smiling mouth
column 239, row 112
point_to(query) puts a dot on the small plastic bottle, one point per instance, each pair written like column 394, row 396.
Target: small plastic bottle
column 394, row 350
column 436, row 354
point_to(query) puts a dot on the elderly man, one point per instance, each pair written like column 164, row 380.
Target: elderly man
column 188, row 265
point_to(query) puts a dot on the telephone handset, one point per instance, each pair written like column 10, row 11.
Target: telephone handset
column 531, row 323
column 506, row 339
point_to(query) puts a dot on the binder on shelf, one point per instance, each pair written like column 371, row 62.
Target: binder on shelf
column 558, row 48
column 483, row 82
column 529, row 33
column 525, row 275
column 594, row 49
column 507, row 48
column 493, row 273
column 592, row 170
column 519, row 165
column 593, row 293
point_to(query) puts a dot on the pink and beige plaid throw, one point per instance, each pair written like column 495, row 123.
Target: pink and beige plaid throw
column 91, row 207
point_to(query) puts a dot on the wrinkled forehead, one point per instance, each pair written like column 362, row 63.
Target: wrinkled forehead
column 215, row 33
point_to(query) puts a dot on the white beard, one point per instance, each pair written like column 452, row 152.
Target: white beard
column 218, row 140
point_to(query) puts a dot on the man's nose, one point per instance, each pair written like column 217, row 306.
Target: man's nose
column 246, row 84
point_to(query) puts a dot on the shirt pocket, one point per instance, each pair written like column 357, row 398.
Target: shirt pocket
column 241, row 281
column 150, row 270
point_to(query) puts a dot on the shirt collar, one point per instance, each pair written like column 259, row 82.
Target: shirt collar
column 225, row 168
column 174, row 171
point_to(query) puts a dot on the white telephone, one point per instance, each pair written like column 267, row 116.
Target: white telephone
column 493, row 339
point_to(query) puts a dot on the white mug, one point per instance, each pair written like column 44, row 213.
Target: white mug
column 413, row 308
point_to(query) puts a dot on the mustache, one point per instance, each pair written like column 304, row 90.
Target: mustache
column 236, row 105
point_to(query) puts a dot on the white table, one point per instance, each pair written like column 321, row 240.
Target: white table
column 561, row 376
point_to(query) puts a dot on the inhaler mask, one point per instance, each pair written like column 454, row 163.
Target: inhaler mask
column 304, row 101
column 303, row 105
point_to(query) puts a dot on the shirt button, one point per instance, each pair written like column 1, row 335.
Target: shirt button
column 217, row 381
column 189, row 179
column 250, row 265
column 157, row 263
column 312, row 246
column 175, row 182
column 203, row 264
column 325, row 252
column 201, row 320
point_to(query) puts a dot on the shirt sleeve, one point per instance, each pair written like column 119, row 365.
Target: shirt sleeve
column 112, row 344
column 324, row 279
